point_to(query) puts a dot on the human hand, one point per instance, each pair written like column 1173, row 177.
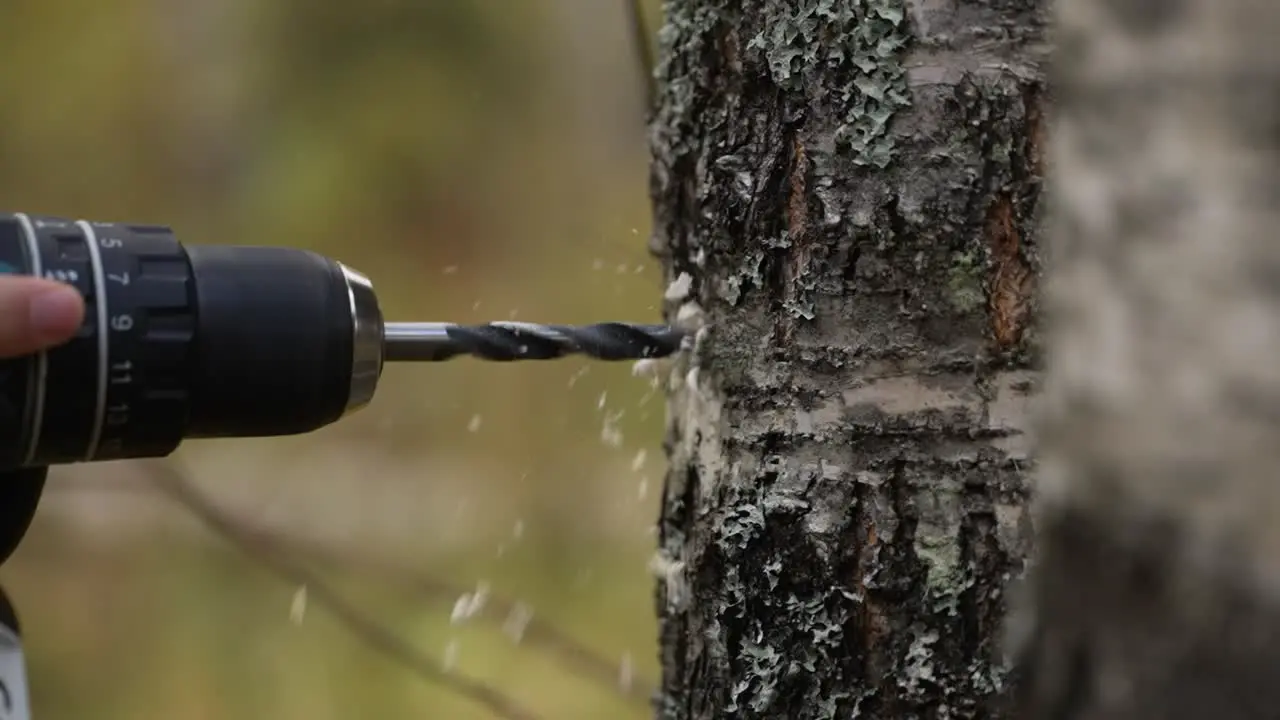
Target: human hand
column 36, row 314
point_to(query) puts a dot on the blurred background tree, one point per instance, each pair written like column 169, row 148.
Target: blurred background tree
column 479, row 159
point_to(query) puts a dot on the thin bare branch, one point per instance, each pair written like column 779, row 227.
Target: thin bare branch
column 634, row 11
column 173, row 483
column 539, row 634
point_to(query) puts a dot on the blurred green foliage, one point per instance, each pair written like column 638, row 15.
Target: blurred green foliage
column 454, row 153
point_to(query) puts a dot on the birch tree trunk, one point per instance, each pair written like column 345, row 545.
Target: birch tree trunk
column 1159, row 578
column 846, row 203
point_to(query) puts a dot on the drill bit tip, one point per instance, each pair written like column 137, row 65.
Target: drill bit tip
column 510, row 341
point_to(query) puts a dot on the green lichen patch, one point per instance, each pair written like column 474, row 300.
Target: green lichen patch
column 805, row 42
column 938, row 546
column 681, row 78
column 781, row 625
column 965, row 282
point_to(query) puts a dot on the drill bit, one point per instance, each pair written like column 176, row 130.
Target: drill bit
column 508, row 341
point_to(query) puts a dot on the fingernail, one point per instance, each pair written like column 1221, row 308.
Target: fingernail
column 56, row 312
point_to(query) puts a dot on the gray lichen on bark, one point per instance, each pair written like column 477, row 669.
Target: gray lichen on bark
column 1158, row 586
column 853, row 189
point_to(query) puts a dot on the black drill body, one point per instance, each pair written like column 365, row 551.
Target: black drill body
column 175, row 344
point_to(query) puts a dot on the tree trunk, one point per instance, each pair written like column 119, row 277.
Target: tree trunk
column 1157, row 590
column 846, row 202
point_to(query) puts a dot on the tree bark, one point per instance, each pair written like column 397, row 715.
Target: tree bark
column 1156, row 592
column 846, row 201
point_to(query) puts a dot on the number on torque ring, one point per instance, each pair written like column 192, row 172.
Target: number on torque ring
column 121, row 374
column 122, row 323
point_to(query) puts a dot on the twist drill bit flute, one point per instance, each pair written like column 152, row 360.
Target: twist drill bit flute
column 508, row 341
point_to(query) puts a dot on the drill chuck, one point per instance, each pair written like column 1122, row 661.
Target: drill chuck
column 181, row 342
column 212, row 341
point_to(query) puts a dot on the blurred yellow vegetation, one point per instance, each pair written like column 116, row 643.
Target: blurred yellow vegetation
column 479, row 159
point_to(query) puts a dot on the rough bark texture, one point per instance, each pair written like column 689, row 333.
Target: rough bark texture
column 847, row 197
column 1159, row 570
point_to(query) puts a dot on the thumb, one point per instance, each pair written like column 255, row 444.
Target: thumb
column 36, row 314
